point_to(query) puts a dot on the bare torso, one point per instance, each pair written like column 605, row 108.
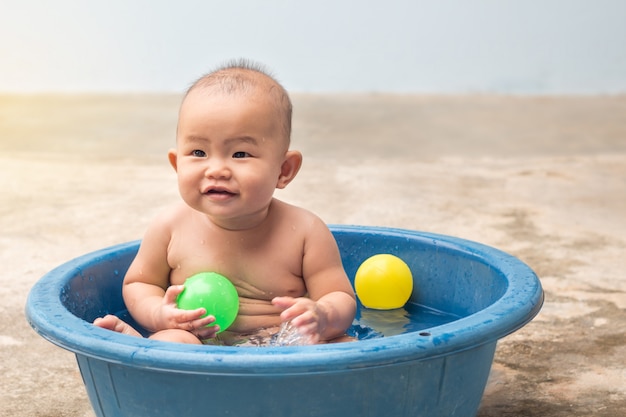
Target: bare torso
column 260, row 264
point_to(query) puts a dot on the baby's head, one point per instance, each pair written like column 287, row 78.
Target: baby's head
column 232, row 144
column 243, row 79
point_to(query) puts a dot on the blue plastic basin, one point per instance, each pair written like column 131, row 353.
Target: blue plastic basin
column 437, row 371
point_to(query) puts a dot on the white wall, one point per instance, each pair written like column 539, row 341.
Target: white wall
column 438, row 46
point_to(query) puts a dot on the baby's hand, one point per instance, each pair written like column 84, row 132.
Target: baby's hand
column 303, row 313
column 192, row 321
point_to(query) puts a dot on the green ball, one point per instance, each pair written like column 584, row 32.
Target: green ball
column 215, row 293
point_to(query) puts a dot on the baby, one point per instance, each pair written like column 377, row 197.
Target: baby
column 232, row 152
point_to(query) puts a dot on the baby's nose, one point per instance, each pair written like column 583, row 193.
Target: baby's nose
column 217, row 169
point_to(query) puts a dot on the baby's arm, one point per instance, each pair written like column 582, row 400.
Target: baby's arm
column 329, row 309
column 148, row 296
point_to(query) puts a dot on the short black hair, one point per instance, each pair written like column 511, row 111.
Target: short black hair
column 242, row 75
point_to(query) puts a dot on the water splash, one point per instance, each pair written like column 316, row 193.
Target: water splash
column 288, row 335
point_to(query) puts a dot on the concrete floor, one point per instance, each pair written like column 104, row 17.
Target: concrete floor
column 541, row 178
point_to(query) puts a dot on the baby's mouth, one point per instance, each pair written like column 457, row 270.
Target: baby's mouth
column 218, row 191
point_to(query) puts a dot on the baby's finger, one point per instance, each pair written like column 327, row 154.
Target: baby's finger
column 172, row 293
column 207, row 332
column 283, row 302
column 196, row 325
column 291, row 313
column 205, row 321
column 304, row 319
column 184, row 316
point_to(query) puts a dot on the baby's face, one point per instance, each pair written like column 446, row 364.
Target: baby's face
column 229, row 153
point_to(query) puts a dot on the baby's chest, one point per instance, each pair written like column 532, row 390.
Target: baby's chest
column 260, row 272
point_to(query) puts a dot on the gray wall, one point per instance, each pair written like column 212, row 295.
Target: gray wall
column 438, row 46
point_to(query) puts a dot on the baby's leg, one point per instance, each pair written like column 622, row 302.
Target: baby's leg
column 114, row 323
column 343, row 339
column 176, row 335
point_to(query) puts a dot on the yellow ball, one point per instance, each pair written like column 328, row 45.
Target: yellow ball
column 383, row 282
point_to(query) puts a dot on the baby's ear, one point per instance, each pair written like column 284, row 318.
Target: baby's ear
column 171, row 156
column 290, row 167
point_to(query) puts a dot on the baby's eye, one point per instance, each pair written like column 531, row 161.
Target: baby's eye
column 241, row 154
column 198, row 153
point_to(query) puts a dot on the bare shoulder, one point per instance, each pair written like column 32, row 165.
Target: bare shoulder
column 300, row 223
column 297, row 217
column 171, row 215
column 164, row 224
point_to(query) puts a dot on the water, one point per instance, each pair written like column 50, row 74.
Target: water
column 370, row 324
column 288, row 335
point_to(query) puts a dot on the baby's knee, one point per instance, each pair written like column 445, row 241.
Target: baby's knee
column 177, row 336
